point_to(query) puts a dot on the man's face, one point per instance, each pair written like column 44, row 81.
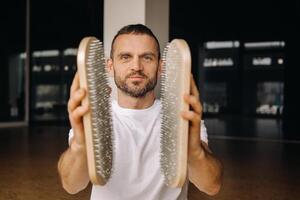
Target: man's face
column 135, row 64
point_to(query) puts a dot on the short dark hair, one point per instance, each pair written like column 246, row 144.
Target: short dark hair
column 135, row 29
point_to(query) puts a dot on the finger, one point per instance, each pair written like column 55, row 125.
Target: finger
column 78, row 131
column 75, row 84
column 75, row 99
column 192, row 116
column 78, row 113
column 194, row 90
column 77, row 123
column 194, row 102
column 194, row 129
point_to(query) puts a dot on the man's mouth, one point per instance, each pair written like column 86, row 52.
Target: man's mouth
column 136, row 77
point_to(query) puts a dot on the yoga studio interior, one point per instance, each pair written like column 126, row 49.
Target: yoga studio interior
column 245, row 60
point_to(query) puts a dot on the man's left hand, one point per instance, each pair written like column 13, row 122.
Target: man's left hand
column 194, row 115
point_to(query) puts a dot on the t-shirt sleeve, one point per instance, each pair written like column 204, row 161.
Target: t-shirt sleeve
column 70, row 135
column 203, row 132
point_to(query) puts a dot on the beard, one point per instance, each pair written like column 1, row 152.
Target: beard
column 137, row 90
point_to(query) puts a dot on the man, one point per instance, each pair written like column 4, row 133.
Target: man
column 135, row 64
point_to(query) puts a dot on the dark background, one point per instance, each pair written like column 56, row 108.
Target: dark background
column 245, row 21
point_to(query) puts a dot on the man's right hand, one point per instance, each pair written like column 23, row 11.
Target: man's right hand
column 72, row 164
column 76, row 112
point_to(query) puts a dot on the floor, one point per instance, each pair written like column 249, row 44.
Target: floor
column 263, row 169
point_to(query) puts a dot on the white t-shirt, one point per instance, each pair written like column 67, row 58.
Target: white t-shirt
column 136, row 166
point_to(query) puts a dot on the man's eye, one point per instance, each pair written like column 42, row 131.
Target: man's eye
column 148, row 58
column 125, row 57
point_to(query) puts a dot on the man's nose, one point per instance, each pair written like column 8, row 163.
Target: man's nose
column 136, row 64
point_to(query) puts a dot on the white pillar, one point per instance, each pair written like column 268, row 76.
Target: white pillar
column 152, row 13
column 157, row 19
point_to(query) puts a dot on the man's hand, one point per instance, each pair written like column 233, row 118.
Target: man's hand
column 194, row 115
column 76, row 112
column 205, row 170
column 72, row 165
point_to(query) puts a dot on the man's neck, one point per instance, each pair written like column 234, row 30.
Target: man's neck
column 127, row 101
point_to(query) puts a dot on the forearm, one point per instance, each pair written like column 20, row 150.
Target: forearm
column 205, row 171
column 72, row 167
